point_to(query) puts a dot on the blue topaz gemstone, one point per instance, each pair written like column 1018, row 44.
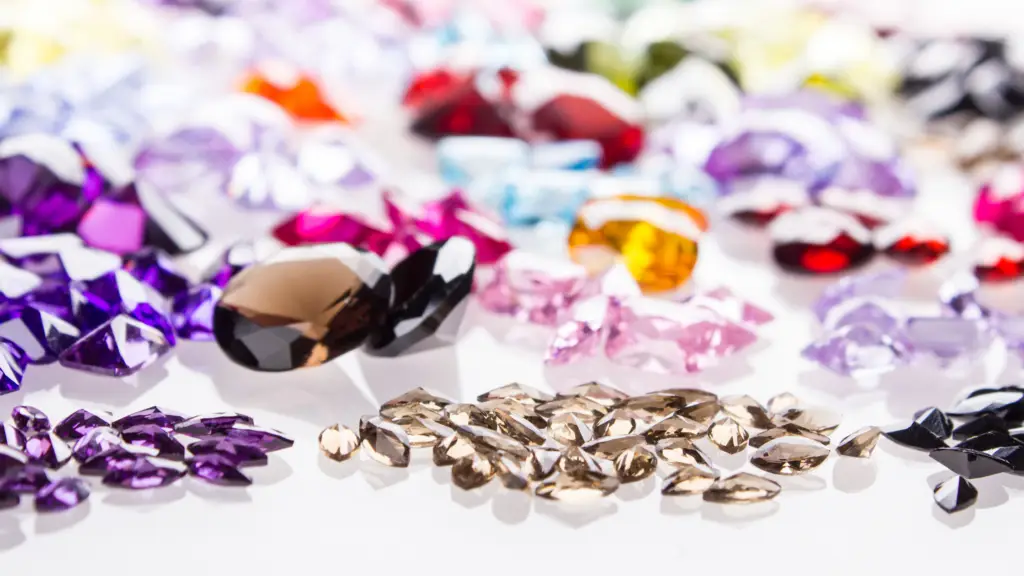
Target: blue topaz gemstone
column 529, row 197
column 463, row 159
column 566, row 155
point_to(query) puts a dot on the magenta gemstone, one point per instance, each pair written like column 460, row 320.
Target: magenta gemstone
column 30, row 419
column 323, row 225
column 218, row 469
column 584, row 335
column 143, row 475
column 78, row 424
column 211, row 424
column 62, row 494
column 1000, row 203
column 156, row 438
column 239, row 452
column 192, row 312
column 166, row 419
column 120, row 347
column 118, row 227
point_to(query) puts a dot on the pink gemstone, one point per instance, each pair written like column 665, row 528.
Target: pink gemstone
column 673, row 338
column 584, row 335
column 723, row 301
column 113, row 226
column 320, row 224
column 532, row 288
column 616, row 281
column 437, row 218
column 486, row 234
column 1000, row 203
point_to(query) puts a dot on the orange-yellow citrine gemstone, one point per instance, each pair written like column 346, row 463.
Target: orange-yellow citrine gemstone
column 656, row 238
column 303, row 98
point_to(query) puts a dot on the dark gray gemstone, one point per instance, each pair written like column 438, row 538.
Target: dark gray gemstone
column 995, row 401
column 934, row 420
column 955, row 494
column 980, row 425
column 969, row 463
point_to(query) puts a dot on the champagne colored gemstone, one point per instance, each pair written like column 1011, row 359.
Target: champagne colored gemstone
column 790, row 455
column 544, row 462
column 384, row 442
column 569, row 430
column 618, row 422
column 418, row 402
column 471, row 472
column 820, row 420
column 520, row 429
column 519, row 392
column 512, row 473
column 494, row 408
column 487, row 441
column 781, row 403
column 595, row 391
column 675, row 427
column 586, row 409
column 452, row 448
column 728, row 435
column 656, row 238
column 652, row 407
column 574, row 461
column 609, row 448
column 689, row 479
column 635, row 464
column 577, row 489
column 682, row 452
column 747, row 411
column 696, row 404
column 771, row 434
column 302, row 97
column 742, row 488
column 338, row 442
column 464, row 415
column 423, row 432
column 860, row 444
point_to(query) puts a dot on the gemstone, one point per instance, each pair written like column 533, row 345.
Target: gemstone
column 188, row 155
column 912, row 242
column 41, row 335
column 935, row 420
column 431, row 288
column 16, row 282
column 117, row 227
column 856, row 350
column 143, row 475
column 459, row 110
column 586, row 409
column 782, row 402
column 610, row 447
column 121, row 346
column 156, row 438
column 969, row 463
column 653, row 407
column 790, row 429
column 117, row 458
column 62, row 494
column 96, row 301
column 531, row 288
column 47, row 449
column 463, row 159
column 635, row 464
column 584, row 334
column 384, row 442
column 618, row 422
column 946, row 339
column 41, row 179
column 864, row 311
column 603, row 394
column 236, row 258
column 452, row 448
column 300, row 96
column 819, row 241
column 27, row 480
column 302, row 307
column 860, row 444
column 452, row 216
column 747, row 411
column 338, row 442
column 267, row 439
column 464, row 414
column 30, row 419
column 980, row 425
column 790, row 455
column 512, row 473
column 815, row 419
column 584, row 487
column 989, row 402
column 668, row 337
column 742, row 488
column 422, row 432
column 12, row 458
column 998, row 202
column 682, row 452
column 675, row 427
column 656, row 238
column 240, row 452
column 325, row 224
column 693, row 403
column 575, row 462
column 162, row 417
column 723, row 301
column 430, row 84
column 416, row 402
column 192, row 312
column 728, row 435
column 574, row 117
column 213, row 424
column 217, row 469
column 886, row 285
column 519, row 392
column 999, row 260
column 520, row 429
column 156, row 269
column 914, row 435
column 486, row 441
column 689, row 479
column 569, row 430
column 955, row 494
column 472, row 471
column 94, row 442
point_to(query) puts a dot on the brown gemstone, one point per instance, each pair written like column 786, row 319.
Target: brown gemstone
column 635, row 464
column 601, row 393
column 520, row 429
column 609, row 448
column 452, row 448
column 423, row 432
column 418, row 402
column 618, row 422
column 682, row 452
column 747, row 411
column 519, row 392
column 338, row 442
column 675, row 427
column 689, row 479
column 742, row 488
column 471, row 472
column 782, row 402
column 512, row 473
column 696, row 404
column 728, row 435
column 790, row 455
column 787, row 430
column 384, row 441
column 586, row 409
column 464, row 415
column 861, row 443
column 652, row 407
column 487, row 441
column 544, row 462
column 820, row 420
column 575, row 461
column 302, row 307
column 492, row 408
column 569, row 430
column 581, row 488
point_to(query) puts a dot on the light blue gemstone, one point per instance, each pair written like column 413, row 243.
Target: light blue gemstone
column 690, row 184
column 567, row 155
column 463, row 159
column 529, row 197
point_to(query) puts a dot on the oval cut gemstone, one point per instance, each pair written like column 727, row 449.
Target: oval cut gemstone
column 820, row 241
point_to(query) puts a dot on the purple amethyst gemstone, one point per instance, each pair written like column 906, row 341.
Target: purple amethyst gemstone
column 753, row 155
column 156, row 438
column 120, row 347
column 40, row 334
column 41, row 178
column 8, row 499
column 861, row 311
column 28, row 480
column 30, row 419
column 117, row 458
column 856, row 350
column 15, row 283
column 154, row 318
column 13, row 362
column 78, row 424
column 11, row 460
column 96, row 441
column 192, row 312
column 235, row 259
column 959, row 297
column 100, row 299
column 268, row 439
column 947, row 339
column 888, row 284
column 240, row 453
column 143, row 475
column 217, row 469
column 155, row 268
column 63, row 494
column 45, row 265
column 211, row 424
column 166, row 419
column 46, row 449
column 113, row 225
column 11, row 436
column 53, row 296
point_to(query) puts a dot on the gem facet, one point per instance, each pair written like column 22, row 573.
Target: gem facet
column 635, row 464
column 689, row 479
column 217, row 469
column 860, row 444
column 820, row 241
column 472, row 471
column 143, row 475
column 955, row 494
column 120, row 347
column 728, row 435
column 30, row 419
column 747, row 411
column 213, row 424
column 787, row 430
column 239, row 452
column 742, row 488
column 156, row 438
column 62, row 494
column 790, row 455
column 338, row 442
column 41, row 335
column 384, row 442
column 855, row 350
column 192, row 312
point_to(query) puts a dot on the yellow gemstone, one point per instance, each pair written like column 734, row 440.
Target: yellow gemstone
column 656, row 238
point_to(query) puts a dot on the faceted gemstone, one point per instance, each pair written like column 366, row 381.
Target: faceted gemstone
column 213, row 424
column 239, row 452
column 236, row 258
column 520, row 429
column 302, row 307
column 512, row 473
column 668, row 337
column 747, row 411
column 610, row 447
column 790, row 455
column 885, row 285
column 464, row 415
column 27, row 480
column 586, row 409
column 532, row 288
column 946, row 339
column 494, row 410
column 431, row 288
column 217, row 469
column 969, row 463
column 452, row 448
column 486, row 441
column 815, row 419
column 688, row 480
column 98, row 300
column 472, row 471
column 855, row 350
column 301, row 96
column 990, row 402
column 575, row 462
column 728, row 435
column 12, row 459
column 459, row 110
column 120, row 347
column 955, row 494
column 41, row 335
column 267, row 439
column 325, row 224
column 912, row 242
column 155, row 268
column 656, row 238
column 693, row 403
column 62, row 494
column 864, row 311
column 820, row 241
column 914, row 435
column 742, row 488
column 117, row 458
column 384, row 442
column 652, row 407
column 860, row 444
column 186, row 156
column 463, row 159
column 569, row 430
column 723, row 301
column 156, row 438
column 999, row 202
column 573, row 117
column 94, row 442
column 603, row 394
column 416, row 402
column 675, row 427
column 422, row 432
column 958, row 296
column 338, row 442
column 192, row 312
column 543, row 462
column 519, row 392
column 580, row 488
column 143, row 475
column 935, row 420
column 41, row 179
column 635, row 464
column 431, row 84
column 16, row 283
column 30, row 419
column 999, row 260
column 47, row 449
column 681, row 452
column 167, row 228
column 790, row 429
column 585, row 333
column 782, row 402
column 162, row 417
column 982, row 424
column 618, row 422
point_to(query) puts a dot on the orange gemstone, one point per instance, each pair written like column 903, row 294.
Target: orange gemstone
column 303, row 99
column 656, row 238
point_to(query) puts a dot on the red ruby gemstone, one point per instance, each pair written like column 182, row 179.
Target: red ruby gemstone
column 999, row 260
column 912, row 242
column 571, row 117
column 431, row 85
column 462, row 111
column 820, row 241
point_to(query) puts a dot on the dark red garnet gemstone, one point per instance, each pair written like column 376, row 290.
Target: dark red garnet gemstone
column 432, row 84
column 571, row 117
column 759, row 218
column 460, row 111
column 999, row 260
column 820, row 241
column 912, row 243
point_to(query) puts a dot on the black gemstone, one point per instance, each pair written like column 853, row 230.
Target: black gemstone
column 935, row 420
column 980, row 425
column 432, row 286
column 915, row 436
column 969, row 463
column 989, row 402
column 955, row 494
column 990, row 441
column 8, row 499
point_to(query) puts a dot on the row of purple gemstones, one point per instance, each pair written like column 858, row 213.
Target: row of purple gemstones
column 140, row 451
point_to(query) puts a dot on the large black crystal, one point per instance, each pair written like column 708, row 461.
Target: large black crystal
column 980, row 425
column 990, row 402
column 969, row 463
column 914, row 435
column 934, row 420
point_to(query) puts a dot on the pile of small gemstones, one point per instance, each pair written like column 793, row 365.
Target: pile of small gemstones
column 143, row 450
column 584, row 443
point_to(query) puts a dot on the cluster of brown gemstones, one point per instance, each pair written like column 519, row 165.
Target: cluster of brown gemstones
column 585, row 442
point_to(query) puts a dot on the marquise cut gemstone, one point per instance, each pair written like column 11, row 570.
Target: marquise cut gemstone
column 62, row 494
column 144, row 474
column 267, row 439
column 211, row 424
column 155, row 438
column 531, row 288
column 816, row 240
column 94, row 442
column 121, row 346
column 790, row 455
column 742, row 488
column 689, row 479
column 241, row 453
column 217, row 469
column 856, row 350
column 859, row 444
column 162, row 417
